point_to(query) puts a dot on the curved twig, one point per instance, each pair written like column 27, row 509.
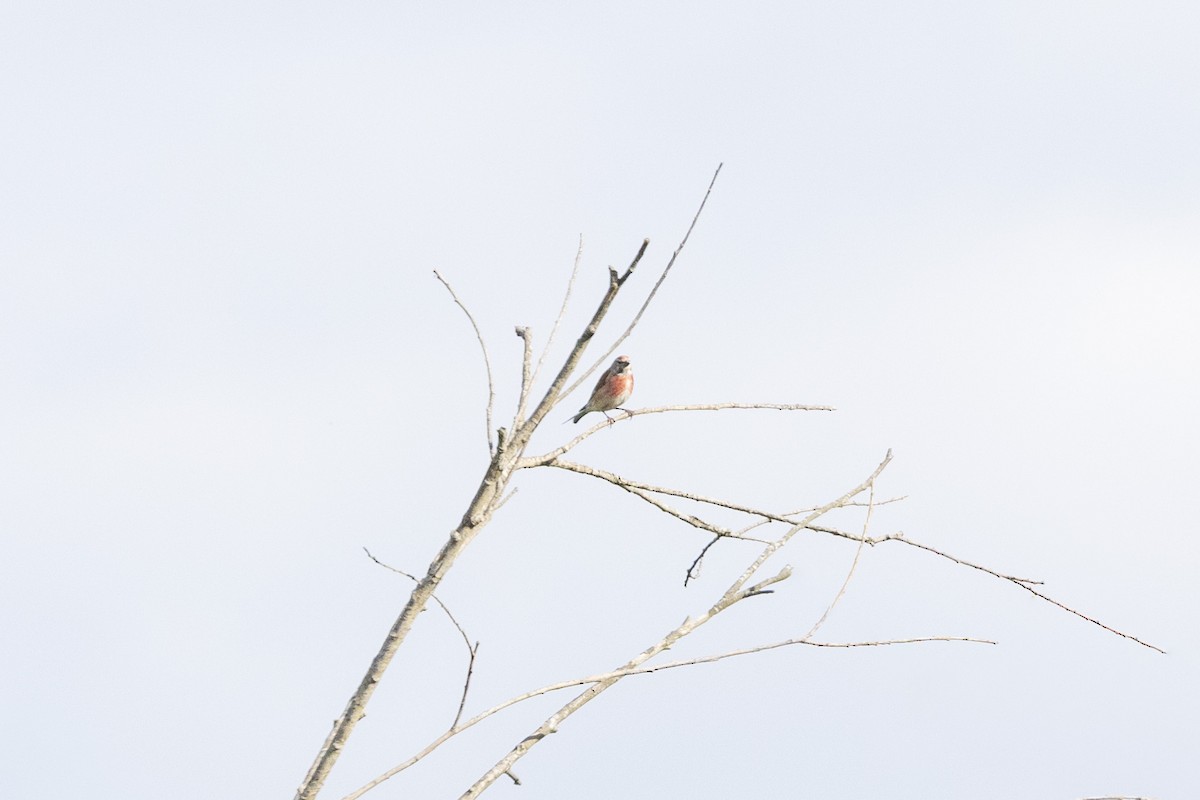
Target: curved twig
column 637, row 317
column 487, row 362
column 472, row 650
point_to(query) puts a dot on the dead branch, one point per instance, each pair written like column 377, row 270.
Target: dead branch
column 526, row 336
column 637, row 317
column 487, row 362
column 1024, row 583
column 466, row 639
column 506, row 453
column 639, row 488
column 642, row 670
column 736, row 592
column 628, row 485
column 850, row 572
column 538, row 461
column 472, row 649
column 693, row 572
column 562, row 312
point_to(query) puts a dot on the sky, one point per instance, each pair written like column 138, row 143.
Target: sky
column 226, row 368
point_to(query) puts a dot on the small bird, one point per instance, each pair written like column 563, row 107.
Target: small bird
column 613, row 389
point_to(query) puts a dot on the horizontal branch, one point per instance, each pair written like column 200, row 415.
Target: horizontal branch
column 726, row 406
column 537, row 461
column 644, row 670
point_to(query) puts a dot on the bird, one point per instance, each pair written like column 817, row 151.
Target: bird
column 614, row 388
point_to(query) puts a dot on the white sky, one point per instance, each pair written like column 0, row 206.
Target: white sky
column 225, row 367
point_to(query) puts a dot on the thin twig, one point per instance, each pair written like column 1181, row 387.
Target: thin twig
column 900, row 537
column 637, row 317
column 537, row 461
column 466, row 639
column 693, row 572
column 876, row 504
column 627, row 484
column 462, row 701
column 472, row 650
column 507, row 497
column 1024, row 583
column 694, row 521
column 562, row 312
column 850, row 572
column 637, row 412
column 554, row 393
column 642, row 491
column 487, row 362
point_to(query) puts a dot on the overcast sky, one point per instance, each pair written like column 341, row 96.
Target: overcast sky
column 226, row 367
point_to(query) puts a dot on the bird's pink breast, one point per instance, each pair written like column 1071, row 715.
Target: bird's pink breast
column 620, row 388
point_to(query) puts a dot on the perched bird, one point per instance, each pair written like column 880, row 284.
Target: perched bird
column 613, row 389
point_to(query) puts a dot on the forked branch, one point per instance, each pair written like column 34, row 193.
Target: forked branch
column 736, row 592
column 506, row 450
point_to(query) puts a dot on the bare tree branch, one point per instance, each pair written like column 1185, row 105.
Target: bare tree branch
column 853, row 565
column 900, row 537
column 1024, row 583
column 876, row 504
column 690, row 519
column 638, row 488
column 506, row 452
column 472, row 650
column 616, row 343
column 538, row 461
column 487, row 362
column 526, row 372
column 462, row 701
column 562, row 312
column 554, row 393
column 803, row 524
column 628, row 485
column 736, row 592
column 644, row 670
column 693, row 572
column 643, row 491
column 466, row 639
